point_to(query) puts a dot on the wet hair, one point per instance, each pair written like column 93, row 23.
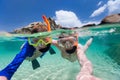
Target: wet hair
column 46, row 48
column 72, row 50
column 63, row 35
column 38, row 28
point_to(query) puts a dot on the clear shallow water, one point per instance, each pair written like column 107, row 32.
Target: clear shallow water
column 103, row 52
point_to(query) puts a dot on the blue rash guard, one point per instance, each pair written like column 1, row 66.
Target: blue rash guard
column 8, row 71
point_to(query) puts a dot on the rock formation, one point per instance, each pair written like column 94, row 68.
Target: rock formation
column 115, row 18
column 28, row 29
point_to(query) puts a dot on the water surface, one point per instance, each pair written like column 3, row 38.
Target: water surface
column 103, row 52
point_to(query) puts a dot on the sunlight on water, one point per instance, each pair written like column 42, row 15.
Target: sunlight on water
column 103, row 52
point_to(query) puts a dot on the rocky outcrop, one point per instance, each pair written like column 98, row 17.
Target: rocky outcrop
column 25, row 30
column 29, row 28
column 53, row 24
column 115, row 18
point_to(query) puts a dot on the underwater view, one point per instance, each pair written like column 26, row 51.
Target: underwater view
column 104, row 53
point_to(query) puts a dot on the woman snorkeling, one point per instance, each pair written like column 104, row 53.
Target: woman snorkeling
column 68, row 46
column 71, row 50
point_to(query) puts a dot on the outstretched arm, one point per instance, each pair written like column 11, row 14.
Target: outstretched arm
column 11, row 68
column 82, row 58
column 86, row 65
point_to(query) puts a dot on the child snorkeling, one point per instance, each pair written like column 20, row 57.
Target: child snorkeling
column 28, row 52
column 41, row 45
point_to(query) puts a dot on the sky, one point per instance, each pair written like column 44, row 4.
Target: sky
column 68, row 13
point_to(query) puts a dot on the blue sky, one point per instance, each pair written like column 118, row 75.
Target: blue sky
column 68, row 13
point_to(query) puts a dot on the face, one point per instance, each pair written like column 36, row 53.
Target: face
column 39, row 42
column 67, row 42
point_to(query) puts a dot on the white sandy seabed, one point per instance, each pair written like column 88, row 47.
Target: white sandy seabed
column 53, row 67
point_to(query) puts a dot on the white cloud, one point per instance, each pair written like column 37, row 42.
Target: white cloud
column 99, row 3
column 99, row 11
column 67, row 19
column 113, row 6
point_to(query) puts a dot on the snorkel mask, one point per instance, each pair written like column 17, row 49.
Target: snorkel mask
column 37, row 41
column 69, row 44
column 68, row 40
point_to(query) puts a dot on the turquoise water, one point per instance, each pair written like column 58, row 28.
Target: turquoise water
column 103, row 52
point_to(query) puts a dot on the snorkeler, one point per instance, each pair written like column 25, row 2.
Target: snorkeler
column 71, row 50
column 28, row 51
column 67, row 45
column 41, row 44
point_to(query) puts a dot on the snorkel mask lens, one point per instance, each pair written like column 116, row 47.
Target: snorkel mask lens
column 35, row 42
column 69, row 40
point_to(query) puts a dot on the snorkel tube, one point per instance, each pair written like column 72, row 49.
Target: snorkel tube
column 47, row 22
column 51, row 50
